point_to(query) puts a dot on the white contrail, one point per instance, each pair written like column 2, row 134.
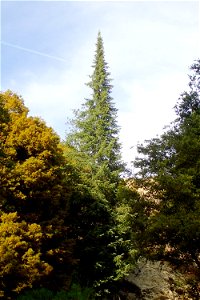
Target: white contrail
column 33, row 51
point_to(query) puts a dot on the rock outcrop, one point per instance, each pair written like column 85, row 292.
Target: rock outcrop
column 156, row 281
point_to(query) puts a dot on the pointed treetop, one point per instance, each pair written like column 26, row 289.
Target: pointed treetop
column 96, row 130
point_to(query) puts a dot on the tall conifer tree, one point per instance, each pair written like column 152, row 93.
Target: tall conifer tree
column 173, row 161
column 100, row 249
column 95, row 126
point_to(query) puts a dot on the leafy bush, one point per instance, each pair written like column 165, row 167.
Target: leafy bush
column 75, row 293
column 37, row 294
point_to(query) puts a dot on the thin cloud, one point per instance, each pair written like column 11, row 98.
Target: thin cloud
column 158, row 42
column 33, row 51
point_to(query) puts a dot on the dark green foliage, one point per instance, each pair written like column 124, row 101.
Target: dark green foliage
column 95, row 130
column 75, row 293
column 171, row 171
column 94, row 147
column 100, row 246
column 38, row 294
column 189, row 102
column 66, row 215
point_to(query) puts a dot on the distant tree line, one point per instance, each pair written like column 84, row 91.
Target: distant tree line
column 71, row 226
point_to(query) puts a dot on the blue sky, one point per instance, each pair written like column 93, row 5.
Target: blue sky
column 47, row 49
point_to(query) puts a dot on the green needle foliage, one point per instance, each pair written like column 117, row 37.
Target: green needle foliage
column 170, row 169
column 95, row 150
column 95, row 130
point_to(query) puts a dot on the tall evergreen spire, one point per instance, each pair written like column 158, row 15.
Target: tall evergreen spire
column 95, row 125
column 97, row 153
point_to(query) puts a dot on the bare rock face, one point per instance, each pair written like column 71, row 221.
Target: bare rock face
column 157, row 281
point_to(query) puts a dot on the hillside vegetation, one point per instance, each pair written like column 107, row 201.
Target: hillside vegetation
column 74, row 223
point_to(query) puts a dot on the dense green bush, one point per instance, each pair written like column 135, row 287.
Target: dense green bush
column 75, row 293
